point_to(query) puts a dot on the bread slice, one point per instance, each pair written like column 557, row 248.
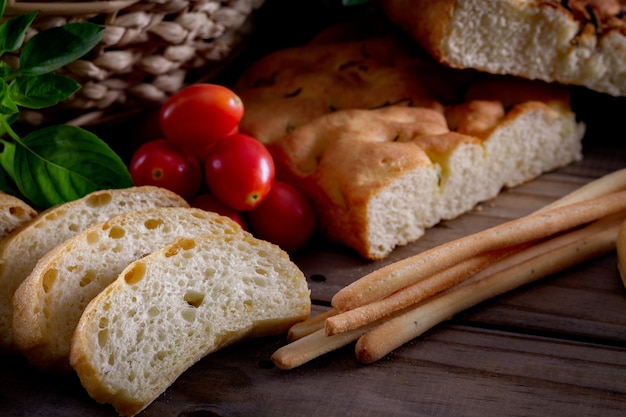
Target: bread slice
column 168, row 310
column 50, row 301
column 573, row 42
column 20, row 251
column 14, row 213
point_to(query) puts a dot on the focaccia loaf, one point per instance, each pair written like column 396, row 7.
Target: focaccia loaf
column 168, row 310
column 21, row 250
column 14, row 212
column 383, row 164
column 50, row 301
column 578, row 42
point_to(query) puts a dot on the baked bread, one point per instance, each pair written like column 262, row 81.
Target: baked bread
column 21, row 250
column 168, row 310
column 577, row 42
column 14, row 212
column 620, row 246
column 380, row 172
column 50, row 301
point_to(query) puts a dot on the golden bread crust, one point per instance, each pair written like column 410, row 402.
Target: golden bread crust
column 360, row 134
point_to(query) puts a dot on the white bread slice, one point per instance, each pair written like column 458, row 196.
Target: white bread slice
column 577, row 43
column 49, row 303
column 14, row 213
column 168, row 310
column 21, row 250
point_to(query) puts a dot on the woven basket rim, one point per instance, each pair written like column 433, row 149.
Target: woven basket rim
column 74, row 8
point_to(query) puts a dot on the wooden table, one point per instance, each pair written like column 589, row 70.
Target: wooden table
column 553, row 348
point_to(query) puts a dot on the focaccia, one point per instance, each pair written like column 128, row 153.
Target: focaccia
column 387, row 142
column 577, row 42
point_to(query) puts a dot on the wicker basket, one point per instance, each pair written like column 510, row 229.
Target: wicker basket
column 149, row 50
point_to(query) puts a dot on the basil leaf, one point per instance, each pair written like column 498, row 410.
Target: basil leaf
column 7, row 106
column 53, row 48
column 13, row 31
column 7, row 151
column 62, row 163
column 39, row 91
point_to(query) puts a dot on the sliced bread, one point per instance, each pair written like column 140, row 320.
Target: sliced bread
column 171, row 308
column 14, row 213
column 50, row 301
column 20, row 251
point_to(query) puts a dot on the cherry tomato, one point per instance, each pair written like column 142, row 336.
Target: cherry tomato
column 208, row 202
column 165, row 164
column 239, row 171
column 200, row 114
column 285, row 217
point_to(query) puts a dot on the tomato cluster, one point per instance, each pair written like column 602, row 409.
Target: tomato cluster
column 203, row 157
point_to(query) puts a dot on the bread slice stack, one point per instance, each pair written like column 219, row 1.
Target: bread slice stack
column 577, row 42
column 387, row 142
column 131, row 287
column 49, row 302
column 20, row 251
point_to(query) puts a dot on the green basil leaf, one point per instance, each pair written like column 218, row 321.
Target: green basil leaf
column 7, row 106
column 57, row 164
column 44, row 90
column 13, row 31
column 7, row 150
column 6, row 157
column 53, row 48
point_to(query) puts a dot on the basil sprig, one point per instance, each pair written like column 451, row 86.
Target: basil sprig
column 53, row 164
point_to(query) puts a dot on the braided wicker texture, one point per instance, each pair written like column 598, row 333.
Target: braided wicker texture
column 148, row 49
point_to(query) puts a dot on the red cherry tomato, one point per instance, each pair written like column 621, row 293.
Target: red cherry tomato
column 239, row 171
column 165, row 164
column 208, row 202
column 200, row 114
column 285, row 217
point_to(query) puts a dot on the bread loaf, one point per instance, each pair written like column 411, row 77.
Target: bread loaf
column 168, row 310
column 382, row 165
column 14, row 212
column 20, row 251
column 50, row 301
column 573, row 42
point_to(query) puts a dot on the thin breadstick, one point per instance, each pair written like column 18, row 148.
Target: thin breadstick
column 396, row 276
column 415, row 293
column 552, row 256
column 607, row 184
column 312, row 346
column 310, row 325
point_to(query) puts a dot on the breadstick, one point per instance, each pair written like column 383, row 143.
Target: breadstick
column 620, row 245
column 312, row 346
column 310, row 325
column 396, row 276
column 413, row 294
column 551, row 256
column 608, row 184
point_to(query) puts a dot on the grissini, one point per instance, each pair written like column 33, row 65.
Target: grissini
column 541, row 224
column 543, row 259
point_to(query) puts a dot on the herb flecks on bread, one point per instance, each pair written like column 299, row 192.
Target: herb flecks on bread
column 173, row 307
